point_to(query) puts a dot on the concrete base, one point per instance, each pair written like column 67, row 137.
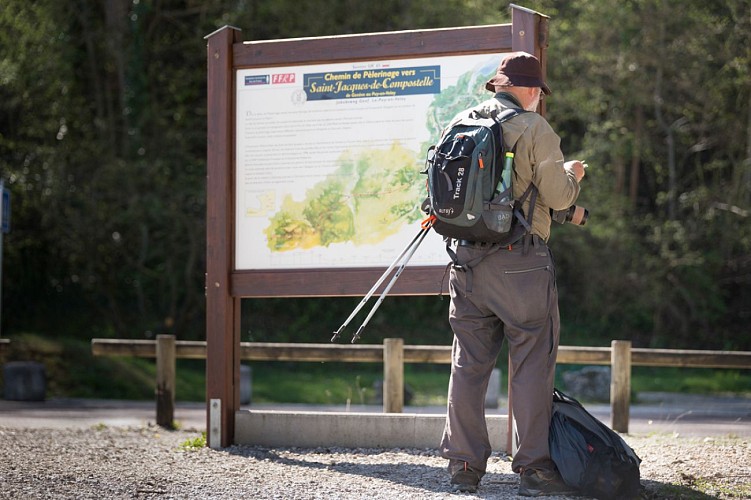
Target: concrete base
column 351, row 430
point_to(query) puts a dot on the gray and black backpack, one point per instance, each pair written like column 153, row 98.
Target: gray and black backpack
column 469, row 183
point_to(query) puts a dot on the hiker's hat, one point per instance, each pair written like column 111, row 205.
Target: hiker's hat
column 518, row 69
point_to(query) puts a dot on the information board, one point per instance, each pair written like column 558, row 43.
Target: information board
column 329, row 157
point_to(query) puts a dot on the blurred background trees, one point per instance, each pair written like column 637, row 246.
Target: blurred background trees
column 103, row 145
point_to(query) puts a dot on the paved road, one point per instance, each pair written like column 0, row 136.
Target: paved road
column 685, row 415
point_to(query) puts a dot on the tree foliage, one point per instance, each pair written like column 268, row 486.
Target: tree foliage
column 655, row 94
column 103, row 145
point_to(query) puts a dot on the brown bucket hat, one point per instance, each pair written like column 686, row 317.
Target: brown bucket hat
column 518, row 69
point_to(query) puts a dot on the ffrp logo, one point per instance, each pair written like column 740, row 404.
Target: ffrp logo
column 283, row 78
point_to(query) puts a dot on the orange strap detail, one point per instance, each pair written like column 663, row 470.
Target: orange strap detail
column 428, row 222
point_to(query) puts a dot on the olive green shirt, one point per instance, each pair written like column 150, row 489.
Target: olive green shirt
column 538, row 159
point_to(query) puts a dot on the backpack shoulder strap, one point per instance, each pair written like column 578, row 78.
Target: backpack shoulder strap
column 507, row 114
column 531, row 190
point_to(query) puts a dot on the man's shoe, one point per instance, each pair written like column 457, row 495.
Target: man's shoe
column 537, row 483
column 463, row 477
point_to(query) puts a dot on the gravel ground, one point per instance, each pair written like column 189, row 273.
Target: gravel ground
column 106, row 462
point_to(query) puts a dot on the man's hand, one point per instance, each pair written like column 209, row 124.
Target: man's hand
column 577, row 167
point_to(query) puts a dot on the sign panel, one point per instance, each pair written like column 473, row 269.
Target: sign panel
column 329, row 158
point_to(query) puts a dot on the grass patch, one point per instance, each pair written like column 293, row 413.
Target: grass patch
column 341, row 383
column 194, row 444
column 690, row 380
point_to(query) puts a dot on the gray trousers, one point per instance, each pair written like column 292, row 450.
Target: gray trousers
column 513, row 295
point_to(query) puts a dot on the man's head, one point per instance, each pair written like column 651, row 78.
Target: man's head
column 520, row 74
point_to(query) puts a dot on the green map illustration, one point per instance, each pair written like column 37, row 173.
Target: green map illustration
column 372, row 194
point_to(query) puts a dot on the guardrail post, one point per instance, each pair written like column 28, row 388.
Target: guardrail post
column 393, row 375
column 165, row 380
column 620, row 384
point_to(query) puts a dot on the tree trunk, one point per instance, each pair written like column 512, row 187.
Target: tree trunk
column 633, row 192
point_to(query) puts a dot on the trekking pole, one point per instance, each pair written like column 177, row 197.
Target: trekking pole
column 375, row 286
column 426, row 225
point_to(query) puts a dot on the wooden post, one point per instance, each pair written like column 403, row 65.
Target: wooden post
column 529, row 33
column 393, row 375
column 222, row 309
column 620, row 384
column 165, row 380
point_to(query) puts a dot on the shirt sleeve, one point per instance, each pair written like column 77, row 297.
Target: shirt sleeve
column 557, row 185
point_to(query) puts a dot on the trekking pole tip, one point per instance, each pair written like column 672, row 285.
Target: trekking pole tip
column 356, row 336
column 336, row 336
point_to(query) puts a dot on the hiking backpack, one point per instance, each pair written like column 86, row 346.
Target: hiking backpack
column 469, row 183
column 589, row 455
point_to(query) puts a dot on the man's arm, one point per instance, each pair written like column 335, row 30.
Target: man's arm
column 557, row 181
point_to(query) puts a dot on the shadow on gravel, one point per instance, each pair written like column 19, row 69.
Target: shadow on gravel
column 428, row 478
column 419, row 476
column 658, row 491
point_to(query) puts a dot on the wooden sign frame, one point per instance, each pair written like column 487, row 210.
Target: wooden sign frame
column 226, row 286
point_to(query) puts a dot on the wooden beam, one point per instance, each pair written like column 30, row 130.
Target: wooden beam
column 360, row 47
column 127, row 347
column 583, row 355
column 691, row 358
column 276, row 351
column 352, row 282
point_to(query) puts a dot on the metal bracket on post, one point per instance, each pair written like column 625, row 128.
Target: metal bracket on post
column 215, row 424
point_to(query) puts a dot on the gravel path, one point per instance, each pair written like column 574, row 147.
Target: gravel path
column 107, row 462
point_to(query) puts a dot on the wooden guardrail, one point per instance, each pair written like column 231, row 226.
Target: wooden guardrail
column 373, row 353
column 393, row 354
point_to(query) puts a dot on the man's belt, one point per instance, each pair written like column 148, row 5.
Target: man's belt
column 475, row 244
column 533, row 240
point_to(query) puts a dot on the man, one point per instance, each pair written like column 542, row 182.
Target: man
column 513, row 294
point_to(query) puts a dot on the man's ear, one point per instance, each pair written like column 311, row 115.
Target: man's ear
column 526, row 96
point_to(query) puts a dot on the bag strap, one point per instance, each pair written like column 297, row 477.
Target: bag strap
column 507, row 114
column 519, row 215
column 468, row 266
